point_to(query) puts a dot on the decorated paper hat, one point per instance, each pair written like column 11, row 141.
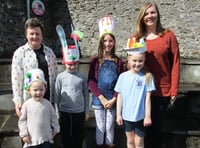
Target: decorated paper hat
column 32, row 76
column 78, row 35
column 135, row 46
column 71, row 54
column 106, row 25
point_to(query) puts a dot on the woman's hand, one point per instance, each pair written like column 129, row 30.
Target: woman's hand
column 172, row 100
column 18, row 107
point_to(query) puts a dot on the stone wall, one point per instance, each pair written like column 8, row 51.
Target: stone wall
column 181, row 16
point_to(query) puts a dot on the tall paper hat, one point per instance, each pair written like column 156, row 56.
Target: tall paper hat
column 106, row 25
column 32, row 76
column 70, row 52
column 135, row 46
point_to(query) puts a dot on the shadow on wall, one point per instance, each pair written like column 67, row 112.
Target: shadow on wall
column 15, row 13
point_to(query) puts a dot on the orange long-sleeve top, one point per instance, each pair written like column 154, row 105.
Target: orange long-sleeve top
column 163, row 61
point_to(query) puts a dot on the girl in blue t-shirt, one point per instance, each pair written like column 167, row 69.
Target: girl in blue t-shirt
column 133, row 102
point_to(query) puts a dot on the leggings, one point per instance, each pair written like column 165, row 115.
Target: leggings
column 104, row 126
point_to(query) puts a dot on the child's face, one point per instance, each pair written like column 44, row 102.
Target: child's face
column 71, row 67
column 109, row 43
column 136, row 61
column 37, row 90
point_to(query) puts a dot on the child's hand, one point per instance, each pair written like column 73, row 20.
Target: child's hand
column 147, row 121
column 109, row 104
column 54, row 134
column 58, row 115
column 103, row 100
column 119, row 120
column 26, row 139
column 86, row 117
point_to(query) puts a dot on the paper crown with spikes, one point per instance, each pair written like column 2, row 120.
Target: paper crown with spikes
column 135, row 46
column 32, row 76
column 106, row 25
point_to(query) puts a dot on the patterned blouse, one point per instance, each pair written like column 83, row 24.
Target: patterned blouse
column 24, row 59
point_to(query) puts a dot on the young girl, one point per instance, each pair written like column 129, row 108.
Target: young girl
column 134, row 89
column 103, row 73
column 38, row 123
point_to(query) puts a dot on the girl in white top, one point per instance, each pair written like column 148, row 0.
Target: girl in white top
column 38, row 123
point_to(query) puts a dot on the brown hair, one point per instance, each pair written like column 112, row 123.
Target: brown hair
column 33, row 22
column 101, row 49
column 140, row 26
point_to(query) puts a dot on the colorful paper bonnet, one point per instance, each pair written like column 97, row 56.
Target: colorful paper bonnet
column 135, row 46
column 32, row 76
column 107, row 25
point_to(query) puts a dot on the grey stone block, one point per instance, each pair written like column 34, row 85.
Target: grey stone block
column 11, row 142
column 6, row 104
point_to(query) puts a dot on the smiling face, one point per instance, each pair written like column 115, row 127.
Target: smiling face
column 136, row 62
column 37, row 90
column 109, row 43
column 34, row 37
column 151, row 17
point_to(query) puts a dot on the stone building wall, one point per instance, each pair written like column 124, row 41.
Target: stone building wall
column 181, row 16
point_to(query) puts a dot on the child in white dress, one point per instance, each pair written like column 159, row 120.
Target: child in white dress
column 38, row 123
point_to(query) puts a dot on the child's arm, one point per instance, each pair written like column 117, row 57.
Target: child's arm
column 92, row 81
column 57, row 94
column 119, row 109
column 147, row 118
column 103, row 100
column 54, row 121
column 86, row 98
column 22, row 124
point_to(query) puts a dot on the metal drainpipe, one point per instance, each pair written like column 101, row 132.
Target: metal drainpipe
column 28, row 8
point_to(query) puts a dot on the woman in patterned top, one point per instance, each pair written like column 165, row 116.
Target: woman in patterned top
column 34, row 54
